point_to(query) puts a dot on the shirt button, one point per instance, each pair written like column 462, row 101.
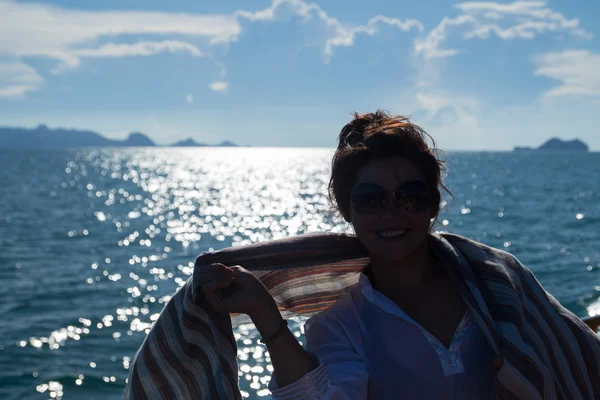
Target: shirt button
column 497, row 362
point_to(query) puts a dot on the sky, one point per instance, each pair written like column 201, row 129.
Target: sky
column 475, row 75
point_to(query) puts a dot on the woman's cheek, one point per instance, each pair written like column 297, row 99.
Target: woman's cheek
column 362, row 228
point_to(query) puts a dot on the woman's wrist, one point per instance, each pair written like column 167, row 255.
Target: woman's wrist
column 266, row 319
column 282, row 328
column 283, row 347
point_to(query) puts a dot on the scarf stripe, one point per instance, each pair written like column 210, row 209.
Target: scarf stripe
column 570, row 377
column 521, row 282
column 160, row 363
column 592, row 361
column 548, row 352
column 139, row 372
column 538, row 333
column 564, row 337
column 511, row 384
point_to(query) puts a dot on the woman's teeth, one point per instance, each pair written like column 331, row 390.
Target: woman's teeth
column 391, row 234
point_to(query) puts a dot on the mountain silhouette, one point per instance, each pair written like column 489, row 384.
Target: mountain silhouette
column 187, row 143
column 44, row 137
column 192, row 143
column 556, row 144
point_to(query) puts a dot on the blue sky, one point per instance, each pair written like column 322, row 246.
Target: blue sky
column 475, row 75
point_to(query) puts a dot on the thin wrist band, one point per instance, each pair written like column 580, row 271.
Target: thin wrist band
column 281, row 328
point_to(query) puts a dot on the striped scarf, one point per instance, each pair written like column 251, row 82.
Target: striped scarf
column 548, row 352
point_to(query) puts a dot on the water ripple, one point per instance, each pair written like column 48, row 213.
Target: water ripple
column 95, row 242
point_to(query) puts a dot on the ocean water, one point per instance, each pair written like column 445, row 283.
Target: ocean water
column 93, row 242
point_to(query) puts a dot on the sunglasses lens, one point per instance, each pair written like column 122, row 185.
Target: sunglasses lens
column 367, row 198
column 413, row 196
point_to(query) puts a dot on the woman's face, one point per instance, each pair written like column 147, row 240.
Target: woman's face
column 389, row 173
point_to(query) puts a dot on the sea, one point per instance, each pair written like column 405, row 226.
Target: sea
column 93, row 242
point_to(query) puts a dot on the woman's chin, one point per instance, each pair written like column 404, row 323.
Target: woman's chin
column 393, row 249
column 390, row 252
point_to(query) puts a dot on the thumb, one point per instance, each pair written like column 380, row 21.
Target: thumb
column 217, row 283
column 213, row 290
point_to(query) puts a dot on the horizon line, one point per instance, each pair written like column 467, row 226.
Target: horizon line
column 500, row 150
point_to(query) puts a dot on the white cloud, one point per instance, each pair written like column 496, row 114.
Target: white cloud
column 577, row 70
column 431, row 104
column 493, row 15
column 517, row 7
column 520, row 20
column 59, row 33
column 189, row 98
column 142, row 48
column 540, row 17
column 452, row 119
column 430, row 45
column 435, row 103
column 345, row 36
column 525, row 20
column 340, row 34
column 298, row 7
column 219, row 86
column 68, row 34
column 528, row 18
column 16, row 79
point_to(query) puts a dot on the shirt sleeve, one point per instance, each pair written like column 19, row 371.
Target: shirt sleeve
column 341, row 374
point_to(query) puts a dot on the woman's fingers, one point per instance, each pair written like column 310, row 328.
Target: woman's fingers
column 214, row 267
column 212, row 290
column 218, row 267
column 217, row 283
column 213, row 271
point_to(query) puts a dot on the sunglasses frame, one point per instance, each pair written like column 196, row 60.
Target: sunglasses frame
column 389, row 194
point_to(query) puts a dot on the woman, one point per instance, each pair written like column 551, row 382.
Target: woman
column 405, row 330
column 432, row 315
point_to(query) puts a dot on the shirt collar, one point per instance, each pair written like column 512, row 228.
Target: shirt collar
column 381, row 301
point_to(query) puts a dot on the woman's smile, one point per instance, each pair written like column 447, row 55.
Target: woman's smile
column 392, row 234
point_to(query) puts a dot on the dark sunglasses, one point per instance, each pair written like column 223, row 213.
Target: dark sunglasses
column 370, row 198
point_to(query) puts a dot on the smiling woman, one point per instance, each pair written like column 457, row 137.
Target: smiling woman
column 386, row 182
column 386, row 177
column 428, row 315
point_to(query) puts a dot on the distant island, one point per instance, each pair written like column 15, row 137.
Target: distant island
column 192, row 143
column 44, row 137
column 556, row 144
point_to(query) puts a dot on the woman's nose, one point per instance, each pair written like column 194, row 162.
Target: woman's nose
column 390, row 210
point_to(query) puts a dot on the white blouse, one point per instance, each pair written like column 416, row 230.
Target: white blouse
column 368, row 347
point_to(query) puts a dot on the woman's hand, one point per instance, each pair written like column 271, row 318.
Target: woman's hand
column 236, row 290
column 233, row 289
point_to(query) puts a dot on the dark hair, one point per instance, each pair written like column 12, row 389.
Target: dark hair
column 381, row 135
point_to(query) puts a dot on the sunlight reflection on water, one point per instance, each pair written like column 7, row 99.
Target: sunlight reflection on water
column 118, row 231
column 190, row 200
